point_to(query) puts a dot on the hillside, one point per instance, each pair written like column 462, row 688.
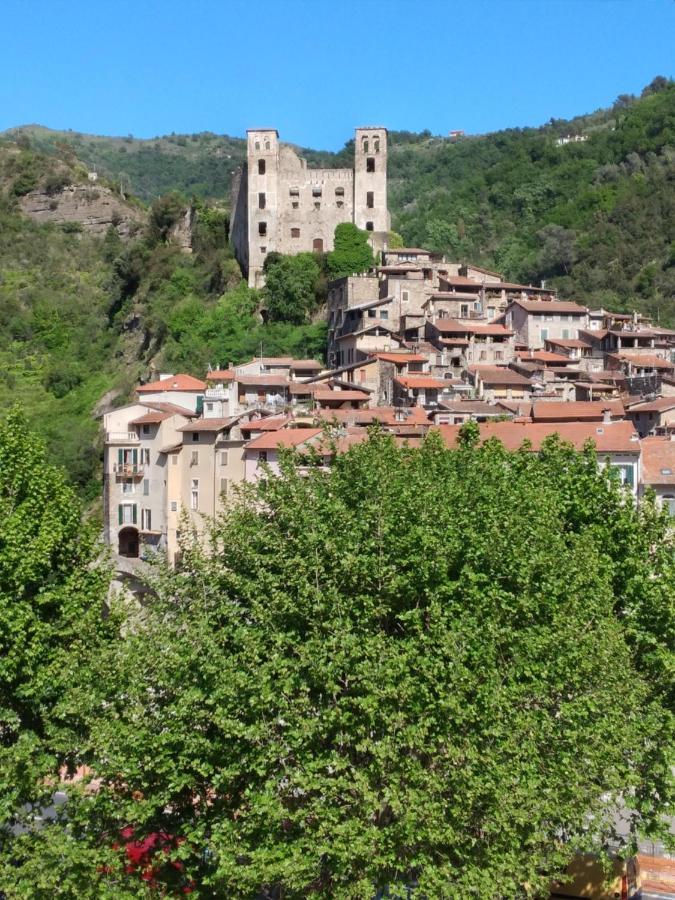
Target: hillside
column 96, row 292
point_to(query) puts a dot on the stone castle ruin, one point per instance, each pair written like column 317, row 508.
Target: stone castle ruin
column 279, row 204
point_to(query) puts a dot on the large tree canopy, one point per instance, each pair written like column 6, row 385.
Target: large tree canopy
column 433, row 667
column 351, row 252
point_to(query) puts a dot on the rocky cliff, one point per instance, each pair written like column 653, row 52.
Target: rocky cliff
column 93, row 206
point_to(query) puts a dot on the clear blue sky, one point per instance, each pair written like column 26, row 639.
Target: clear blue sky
column 316, row 69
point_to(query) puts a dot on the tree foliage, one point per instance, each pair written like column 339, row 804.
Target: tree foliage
column 290, row 287
column 351, row 252
column 431, row 667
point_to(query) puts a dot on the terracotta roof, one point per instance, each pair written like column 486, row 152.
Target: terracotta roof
column 420, row 381
column 270, row 423
column 588, row 410
column 286, row 437
column 174, row 383
column 569, row 343
column 543, row 356
column 220, row 375
column 151, row 418
column 306, row 364
column 473, row 407
column 265, row 380
column 658, row 454
column 339, row 396
column 301, row 387
column 660, row 404
column 546, row 307
column 400, row 358
column 214, row 424
column 643, row 360
column 386, row 415
column 462, row 281
column 169, row 407
column 597, row 386
column 453, row 326
column 454, row 342
column 499, row 375
column 617, row 437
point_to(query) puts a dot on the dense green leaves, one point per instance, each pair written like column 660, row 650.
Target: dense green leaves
column 351, row 252
column 426, row 666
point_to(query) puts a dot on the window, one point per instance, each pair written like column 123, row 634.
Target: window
column 146, row 487
column 295, row 232
column 464, row 310
column 317, row 205
column 261, row 201
column 145, row 456
column 295, row 204
column 262, row 228
column 483, row 354
column 340, row 204
column 262, row 457
column 668, row 502
column 257, row 145
column 339, row 192
column 174, row 506
column 384, row 314
column 370, row 199
column 261, row 167
column 194, row 493
column 294, row 192
column 174, row 459
column 625, row 474
column 364, row 145
column 209, row 407
column 405, row 296
column 127, row 513
column 195, row 437
column 194, row 458
column 369, row 226
column 316, row 191
column 566, row 334
column 372, row 313
column 223, row 487
column 544, row 334
column 146, row 520
column 376, row 144
column 267, row 145
column 146, row 429
column 128, row 486
column 223, row 457
column 370, row 164
column 499, row 354
column 263, row 249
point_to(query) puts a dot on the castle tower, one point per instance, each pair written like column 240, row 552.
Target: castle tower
column 263, row 199
column 370, row 183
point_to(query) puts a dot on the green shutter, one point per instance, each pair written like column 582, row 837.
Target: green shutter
column 134, row 513
column 120, row 456
column 629, row 475
column 120, row 513
column 134, row 457
column 200, row 405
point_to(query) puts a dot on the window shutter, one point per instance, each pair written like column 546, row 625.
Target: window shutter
column 134, row 456
column 120, row 456
column 120, row 513
column 134, row 513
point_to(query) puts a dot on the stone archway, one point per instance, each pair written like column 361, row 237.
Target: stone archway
column 128, row 542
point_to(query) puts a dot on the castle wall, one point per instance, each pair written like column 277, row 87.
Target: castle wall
column 279, row 204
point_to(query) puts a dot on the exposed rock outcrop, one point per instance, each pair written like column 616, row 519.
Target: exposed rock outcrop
column 181, row 232
column 95, row 208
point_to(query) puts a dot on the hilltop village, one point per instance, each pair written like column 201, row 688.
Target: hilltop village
column 416, row 344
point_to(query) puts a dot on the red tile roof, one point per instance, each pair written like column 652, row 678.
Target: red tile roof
column 658, row 460
column 400, row 358
column 174, row 383
column 617, row 437
column 543, row 356
column 547, row 307
column 581, row 410
column 340, row 396
column 660, row 404
column 265, row 380
column 643, row 360
column 169, row 407
column 420, row 381
column 286, row 437
column 212, row 424
column 151, row 418
column 306, row 364
column 499, row 375
column 271, row 423
column 220, row 375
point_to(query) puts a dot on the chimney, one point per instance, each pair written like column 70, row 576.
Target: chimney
column 606, row 416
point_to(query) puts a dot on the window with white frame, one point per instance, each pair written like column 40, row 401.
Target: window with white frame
column 223, row 487
column 194, row 493
column 174, row 506
column 127, row 514
column 146, row 520
column 194, row 458
column 223, row 457
column 146, row 487
column 128, row 486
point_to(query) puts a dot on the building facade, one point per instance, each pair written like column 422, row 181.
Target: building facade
column 281, row 205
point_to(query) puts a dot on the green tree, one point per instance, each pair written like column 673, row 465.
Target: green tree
column 290, row 288
column 351, row 252
column 52, row 593
column 425, row 666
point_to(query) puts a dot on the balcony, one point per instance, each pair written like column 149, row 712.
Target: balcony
column 129, row 470
column 121, row 437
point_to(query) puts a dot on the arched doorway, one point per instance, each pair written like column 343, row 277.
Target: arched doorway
column 128, row 542
column 317, row 245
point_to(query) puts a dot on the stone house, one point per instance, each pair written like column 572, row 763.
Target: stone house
column 655, row 416
column 658, row 470
column 536, row 321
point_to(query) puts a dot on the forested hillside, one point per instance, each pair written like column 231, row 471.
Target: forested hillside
column 84, row 315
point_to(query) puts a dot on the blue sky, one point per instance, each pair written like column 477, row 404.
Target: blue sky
column 315, row 70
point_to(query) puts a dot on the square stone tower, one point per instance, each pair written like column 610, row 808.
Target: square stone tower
column 263, row 194
column 370, row 180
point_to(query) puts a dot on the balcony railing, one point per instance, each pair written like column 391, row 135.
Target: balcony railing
column 129, row 470
column 121, row 437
